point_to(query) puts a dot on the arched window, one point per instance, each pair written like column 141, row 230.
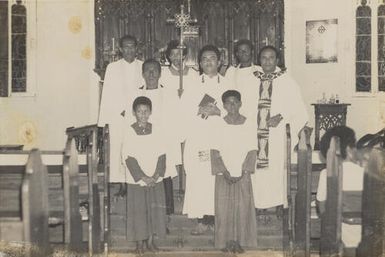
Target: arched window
column 363, row 48
column 381, row 47
column 19, row 47
column 17, row 69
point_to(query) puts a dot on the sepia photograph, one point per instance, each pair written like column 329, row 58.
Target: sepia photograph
column 189, row 128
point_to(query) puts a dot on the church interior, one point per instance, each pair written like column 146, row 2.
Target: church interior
column 53, row 58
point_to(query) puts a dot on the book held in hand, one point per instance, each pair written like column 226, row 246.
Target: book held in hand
column 206, row 100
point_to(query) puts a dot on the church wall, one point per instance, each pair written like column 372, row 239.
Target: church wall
column 63, row 96
column 331, row 78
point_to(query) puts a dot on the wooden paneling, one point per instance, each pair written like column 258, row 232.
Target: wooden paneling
column 221, row 22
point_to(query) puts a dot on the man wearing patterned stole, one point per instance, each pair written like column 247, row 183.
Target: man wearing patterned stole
column 279, row 102
column 121, row 79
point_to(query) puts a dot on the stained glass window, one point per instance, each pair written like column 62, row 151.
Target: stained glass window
column 381, row 47
column 363, row 48
column 4, row 48
column 19, row 47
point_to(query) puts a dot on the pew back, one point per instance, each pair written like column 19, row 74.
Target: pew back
column 302, row 205
column 331, row 243
column 373, row 202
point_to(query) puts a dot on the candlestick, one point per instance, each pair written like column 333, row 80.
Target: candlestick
column 113, row 44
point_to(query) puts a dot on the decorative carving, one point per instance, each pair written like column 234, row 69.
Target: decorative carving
column 220, row 22
column 328, row 116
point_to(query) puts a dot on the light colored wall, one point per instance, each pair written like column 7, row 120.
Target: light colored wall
column 333, row 78
column 64, row 62
column 67, row 91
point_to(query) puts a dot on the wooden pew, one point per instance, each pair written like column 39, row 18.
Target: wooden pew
column 331, row 244
column 373, row 205
column 73, row 234
column 302, row 204
column 69, row 201
column 94, row 142
column 32, row 228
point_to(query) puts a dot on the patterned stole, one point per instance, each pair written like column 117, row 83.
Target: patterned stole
column 263, row 115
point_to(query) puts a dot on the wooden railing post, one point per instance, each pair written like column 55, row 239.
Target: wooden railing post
column 34, row 195
column 288, row 212
column 303, row 197
column 73, row 235
column 331, row 244
column 106, row 154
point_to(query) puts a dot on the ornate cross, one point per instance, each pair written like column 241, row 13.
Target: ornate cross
column 184, row 22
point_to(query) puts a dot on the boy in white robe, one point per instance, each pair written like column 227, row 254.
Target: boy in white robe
column 233, row 163
column 143, row 153
column 163, row 105
column 279, row 102
column 121, row 79
column 352, row 181
column 201, row 119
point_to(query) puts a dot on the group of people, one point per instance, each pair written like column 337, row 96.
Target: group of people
column 227, row 131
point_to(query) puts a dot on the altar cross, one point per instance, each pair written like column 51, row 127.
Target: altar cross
column 184, row 22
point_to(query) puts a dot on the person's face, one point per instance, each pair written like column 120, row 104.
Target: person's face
column 232, row 105
column 142, row 113
column 209, row 62
column 128, row 49
column 151, row 73
column 175, row 57
column 268, row 60
column 244, row 54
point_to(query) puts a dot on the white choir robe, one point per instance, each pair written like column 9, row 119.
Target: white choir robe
column 270, row 184
column 170, row 78
column 120, row 80
column 234, row 142
column 146, row 149
column 200, row 183
column 244, row 81
column 162, row 106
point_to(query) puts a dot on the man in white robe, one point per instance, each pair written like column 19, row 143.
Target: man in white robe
column 201, row 120
column 279, row 102
column 170, row 78
column 120, row 80
column 242, row 76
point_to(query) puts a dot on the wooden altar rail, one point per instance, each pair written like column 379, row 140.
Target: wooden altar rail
column 94, row 142
column 32, row 226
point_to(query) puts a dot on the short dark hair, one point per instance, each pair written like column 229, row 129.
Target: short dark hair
column 142, row 100
column 128, row 38
column 277, row 54
column 229, row 93
column 173, row 44
column 148, row 61
column 346, row 135
column 209, row 48
column 243, row 42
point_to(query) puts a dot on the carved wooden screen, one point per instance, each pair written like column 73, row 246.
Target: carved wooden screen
column 221, row 22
